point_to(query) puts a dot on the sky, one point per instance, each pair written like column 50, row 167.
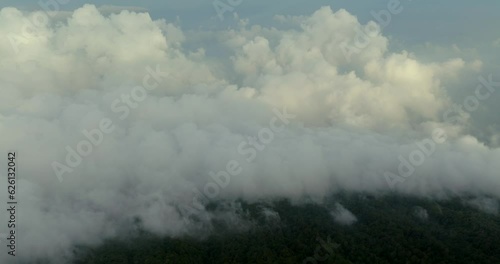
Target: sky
column 445, row 22
column 119, row 112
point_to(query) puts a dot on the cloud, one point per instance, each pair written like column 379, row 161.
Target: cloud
column 487, row 205
column 343, row 216
column 421, row 213
column 270, row 215
column 352, row 119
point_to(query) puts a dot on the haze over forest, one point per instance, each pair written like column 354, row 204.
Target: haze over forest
column 119, row 114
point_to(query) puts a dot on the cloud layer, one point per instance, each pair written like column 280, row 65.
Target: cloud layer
column 199, row 114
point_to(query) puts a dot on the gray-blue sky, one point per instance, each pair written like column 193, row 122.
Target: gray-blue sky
column 421, row 21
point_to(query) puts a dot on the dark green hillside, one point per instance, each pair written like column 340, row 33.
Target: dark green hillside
column 387, row 231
